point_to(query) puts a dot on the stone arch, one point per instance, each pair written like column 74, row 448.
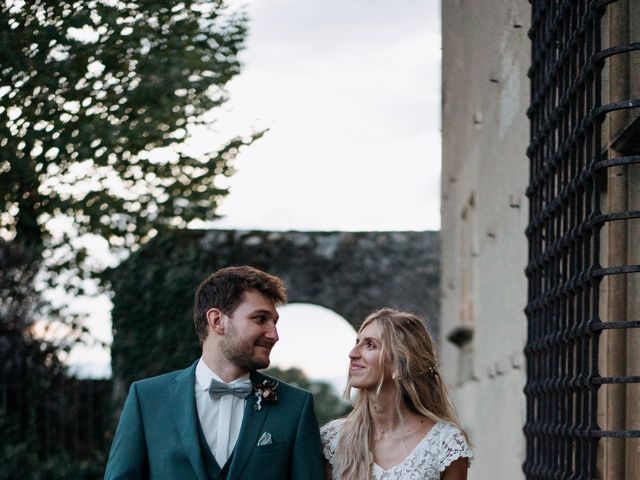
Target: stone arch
column 329, row 333
column 351, row 273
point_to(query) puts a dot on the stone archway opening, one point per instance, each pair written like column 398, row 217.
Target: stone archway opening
column 316, row 340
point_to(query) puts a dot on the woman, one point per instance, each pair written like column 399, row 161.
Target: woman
column 402, row 425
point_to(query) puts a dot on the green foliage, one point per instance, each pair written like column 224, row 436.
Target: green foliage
column 19, row 299
column 328, row 405
column 20, row 459
column 90, row 91
column 153, row 308
column 52, row 427
column 87, row 90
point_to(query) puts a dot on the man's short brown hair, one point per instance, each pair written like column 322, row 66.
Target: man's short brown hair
column 225, row 290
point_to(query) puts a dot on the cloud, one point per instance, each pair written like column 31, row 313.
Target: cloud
column 351, row 91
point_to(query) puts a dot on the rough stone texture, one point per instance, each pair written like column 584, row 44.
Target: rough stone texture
column 486, row 54
column 351, row 273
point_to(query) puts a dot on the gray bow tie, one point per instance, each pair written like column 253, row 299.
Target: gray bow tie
column 240, row 389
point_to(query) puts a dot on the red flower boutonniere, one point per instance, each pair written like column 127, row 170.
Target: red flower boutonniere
column 265, row 391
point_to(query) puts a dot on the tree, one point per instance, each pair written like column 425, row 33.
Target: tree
column 88, row 89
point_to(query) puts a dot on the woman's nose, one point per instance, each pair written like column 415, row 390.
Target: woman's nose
column 354, row 353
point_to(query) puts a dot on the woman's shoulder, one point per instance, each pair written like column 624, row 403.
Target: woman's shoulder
column 331, row 429
column 451, row 444
column 447, row 429
column 330, row 434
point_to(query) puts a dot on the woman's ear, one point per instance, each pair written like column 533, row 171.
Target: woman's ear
column 214, row 321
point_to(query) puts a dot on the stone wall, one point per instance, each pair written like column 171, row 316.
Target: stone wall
column 351, row 273
column 486, row 54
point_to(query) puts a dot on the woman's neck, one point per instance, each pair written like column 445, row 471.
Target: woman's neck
column 386, row 416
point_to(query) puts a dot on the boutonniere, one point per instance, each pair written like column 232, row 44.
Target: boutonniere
column 265, row 391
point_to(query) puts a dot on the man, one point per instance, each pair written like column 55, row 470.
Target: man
column 220, row 418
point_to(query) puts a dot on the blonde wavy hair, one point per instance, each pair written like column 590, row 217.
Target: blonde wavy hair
column 409, row 349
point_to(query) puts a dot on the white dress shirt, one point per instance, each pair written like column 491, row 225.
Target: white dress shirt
column 220, row 418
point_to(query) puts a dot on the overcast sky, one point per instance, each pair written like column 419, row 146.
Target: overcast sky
column 351, row 93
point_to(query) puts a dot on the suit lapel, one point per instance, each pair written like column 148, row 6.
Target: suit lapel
column 252, row 423
column 184, row 405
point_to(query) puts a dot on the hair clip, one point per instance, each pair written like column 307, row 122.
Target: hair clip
column 433, row 369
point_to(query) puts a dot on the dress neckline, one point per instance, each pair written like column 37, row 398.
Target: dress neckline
column 412, row 452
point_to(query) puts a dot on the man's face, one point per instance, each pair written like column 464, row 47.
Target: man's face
column 250, row 332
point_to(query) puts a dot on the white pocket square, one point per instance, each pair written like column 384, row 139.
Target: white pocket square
column 265, row 439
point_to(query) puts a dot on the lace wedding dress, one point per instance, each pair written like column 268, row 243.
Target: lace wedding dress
column 443, row 444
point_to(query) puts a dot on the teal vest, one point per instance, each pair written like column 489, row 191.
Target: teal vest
column 214, row 472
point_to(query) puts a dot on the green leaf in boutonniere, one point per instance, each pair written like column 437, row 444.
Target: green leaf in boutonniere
column 265, row 391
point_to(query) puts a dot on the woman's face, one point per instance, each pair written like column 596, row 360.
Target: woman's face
column 365, row 370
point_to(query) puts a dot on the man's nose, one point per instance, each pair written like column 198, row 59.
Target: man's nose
column 272, row 332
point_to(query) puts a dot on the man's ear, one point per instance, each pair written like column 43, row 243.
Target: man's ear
column 214, row 321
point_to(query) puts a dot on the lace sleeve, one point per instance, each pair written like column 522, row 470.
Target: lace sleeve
column 453, row 445
column 330, row 433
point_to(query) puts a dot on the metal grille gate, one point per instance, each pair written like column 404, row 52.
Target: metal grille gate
column 568, row 167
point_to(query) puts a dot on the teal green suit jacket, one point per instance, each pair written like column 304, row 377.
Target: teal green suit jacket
column 157, row 436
